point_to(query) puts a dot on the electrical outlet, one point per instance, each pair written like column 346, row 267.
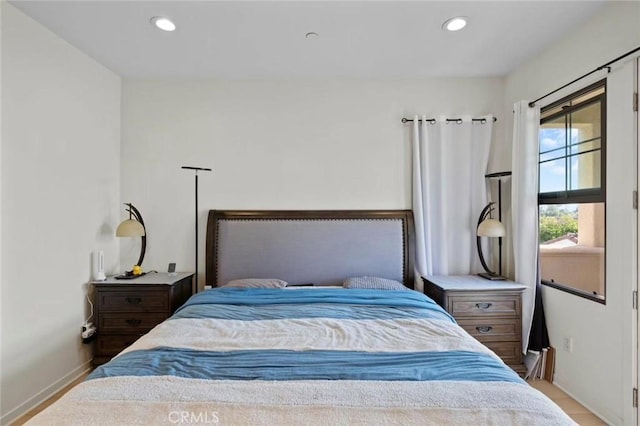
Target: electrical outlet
column 88, row 332
column 567, row 344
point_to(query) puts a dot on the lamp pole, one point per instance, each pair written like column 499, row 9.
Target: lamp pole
column 500, row 219
column 196, row 170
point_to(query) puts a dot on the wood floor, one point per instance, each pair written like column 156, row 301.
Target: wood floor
column 32, row 413
column 576, row 411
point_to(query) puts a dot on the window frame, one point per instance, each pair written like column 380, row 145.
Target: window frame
column 579, row 196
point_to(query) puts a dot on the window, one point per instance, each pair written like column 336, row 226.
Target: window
column 572, row 196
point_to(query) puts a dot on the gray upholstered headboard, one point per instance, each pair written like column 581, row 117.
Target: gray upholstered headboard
column 319, row 247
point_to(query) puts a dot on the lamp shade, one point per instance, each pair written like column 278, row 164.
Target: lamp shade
column 491, row 228
column 130, row 228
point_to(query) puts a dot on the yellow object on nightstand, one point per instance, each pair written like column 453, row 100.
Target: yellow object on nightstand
column 137, row 270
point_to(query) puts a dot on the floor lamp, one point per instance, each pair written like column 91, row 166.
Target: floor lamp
column 196, row 170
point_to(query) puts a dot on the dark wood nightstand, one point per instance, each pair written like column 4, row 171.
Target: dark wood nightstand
column 490, row 311
column 128, row 309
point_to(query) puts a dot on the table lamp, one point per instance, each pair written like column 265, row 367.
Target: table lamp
column 492, row 228
column 133, row 227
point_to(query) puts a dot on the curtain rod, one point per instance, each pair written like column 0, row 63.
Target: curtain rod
column 601, row 67
column 449, row 120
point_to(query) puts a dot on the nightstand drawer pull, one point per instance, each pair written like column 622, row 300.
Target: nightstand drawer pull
column 484, row 305
column 133, row 300
column 484, row 330
column 133, row 322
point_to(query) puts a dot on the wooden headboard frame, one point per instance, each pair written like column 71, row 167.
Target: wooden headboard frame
column 216, row 216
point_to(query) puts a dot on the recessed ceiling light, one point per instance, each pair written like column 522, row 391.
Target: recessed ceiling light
column 312, row 35
column 163, row 23
column 455, row 24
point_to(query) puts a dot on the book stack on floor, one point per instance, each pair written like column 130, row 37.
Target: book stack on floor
column 540, row 364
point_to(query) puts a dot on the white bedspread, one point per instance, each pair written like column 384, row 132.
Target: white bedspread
column 390, row 335
column 171, row 400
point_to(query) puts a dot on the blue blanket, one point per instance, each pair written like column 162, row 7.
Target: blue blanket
column 301, row 364
column 270, row 296
column 308, row 365
column 257, row 303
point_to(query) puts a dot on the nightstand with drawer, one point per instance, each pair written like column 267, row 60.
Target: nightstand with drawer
column 490, row 311
column 128, row 309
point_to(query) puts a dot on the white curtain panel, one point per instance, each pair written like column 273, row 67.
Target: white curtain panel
column 524, row 207
column 449, row 192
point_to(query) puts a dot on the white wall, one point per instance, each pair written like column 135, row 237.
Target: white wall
column 60, row 196
column 274, row 145
column 598, row 371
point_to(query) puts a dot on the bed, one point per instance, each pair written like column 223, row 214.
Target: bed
column 312, row 351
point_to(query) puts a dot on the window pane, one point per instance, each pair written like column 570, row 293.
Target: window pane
column 587, row 96
column 553, row 175
column 585, row 170
column 572, row 246
column 587, row 145
column 553, row 136
column 585, row 123
column 552, row 110
column 553, row 154
column 556, row 108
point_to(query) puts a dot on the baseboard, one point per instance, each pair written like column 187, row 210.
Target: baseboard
column 45, row 394
column 606, row 419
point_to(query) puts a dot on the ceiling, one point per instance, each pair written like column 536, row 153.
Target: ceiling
column 266, row 39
